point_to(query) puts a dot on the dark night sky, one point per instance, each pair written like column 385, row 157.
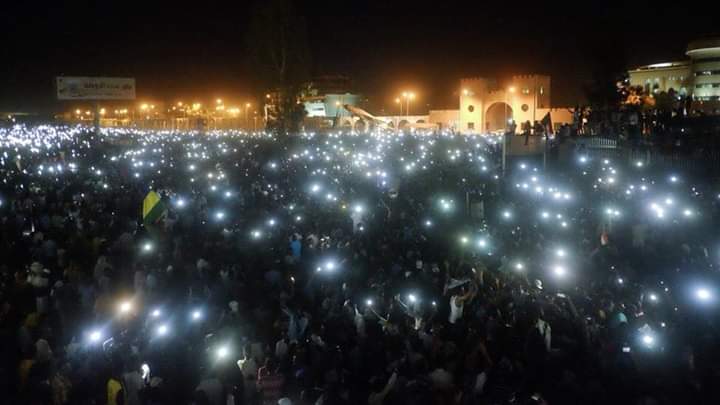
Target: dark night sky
column 178, row 51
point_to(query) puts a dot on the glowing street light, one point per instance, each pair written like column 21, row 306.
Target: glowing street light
column 408, row 95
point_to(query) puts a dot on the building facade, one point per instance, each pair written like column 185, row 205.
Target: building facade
column 698, row 77
column 705, row 56
column 486, row 106
column 661, row 77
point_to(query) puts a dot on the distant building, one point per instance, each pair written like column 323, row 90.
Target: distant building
column 324, row 98
column 698, row 77
column 486, row 106
column 661, row 77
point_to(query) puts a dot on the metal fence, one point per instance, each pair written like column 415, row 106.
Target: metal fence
column 700, row 159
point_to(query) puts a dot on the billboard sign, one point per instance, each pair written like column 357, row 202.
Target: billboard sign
column 95, row 88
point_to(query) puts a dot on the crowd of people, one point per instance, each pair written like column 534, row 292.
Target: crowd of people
column 348, row 269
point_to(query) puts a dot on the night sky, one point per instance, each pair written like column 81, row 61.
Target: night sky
column 176, row 51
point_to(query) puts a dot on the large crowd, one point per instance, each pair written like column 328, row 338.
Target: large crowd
column 348, row 269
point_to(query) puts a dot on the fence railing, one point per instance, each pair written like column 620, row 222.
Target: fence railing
column 702, row 158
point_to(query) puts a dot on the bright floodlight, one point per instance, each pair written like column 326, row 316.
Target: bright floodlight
column 703, row 294
column 519, row 266
column 369, row 302
column 673, row 179
column 156, row 313
column 315, row 188
column 256, row 234
column 219, row 215
column 222, row 352
column 147, row 246
column 412, row 298
column 428, row 223
column 653, row 297
column 358, row 208
column 506, row 214
column 559, row 271
column 687, row 213
column 196, row 315
column 482, row 243
column 560, row 253
column 180, row 203
column 162, row 330
column 271, row 222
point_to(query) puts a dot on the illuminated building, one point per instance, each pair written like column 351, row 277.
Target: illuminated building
column 324, row 99
column 486, row 106
column 698, row 77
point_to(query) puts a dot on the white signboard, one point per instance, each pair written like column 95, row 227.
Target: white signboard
column 95, row 88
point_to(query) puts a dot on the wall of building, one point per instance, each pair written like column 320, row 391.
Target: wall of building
column 485, row 106
column 661, row 77
column 444, row 119
column 472, row 104
column 705, row 55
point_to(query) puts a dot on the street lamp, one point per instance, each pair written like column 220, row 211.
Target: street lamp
column 408, row 95
column 247, row 120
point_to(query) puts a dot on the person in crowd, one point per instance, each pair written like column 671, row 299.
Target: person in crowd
column 348, row 273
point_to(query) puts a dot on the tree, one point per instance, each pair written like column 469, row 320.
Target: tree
column 277, row 43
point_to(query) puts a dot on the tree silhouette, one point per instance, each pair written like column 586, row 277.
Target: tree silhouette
column 277, row 43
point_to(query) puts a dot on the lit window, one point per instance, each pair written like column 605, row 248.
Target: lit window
column 542, row 90
column 526, row 91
